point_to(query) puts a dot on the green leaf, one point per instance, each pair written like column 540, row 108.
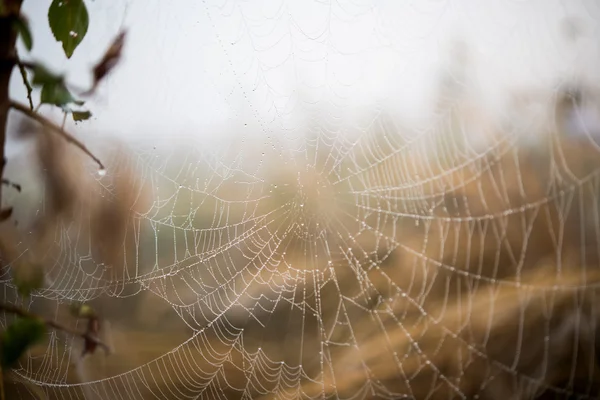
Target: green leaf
column 81, row 115
column 41, row 76
column 21, row 25
column 54, row 89
column 69, row 21
column 18, row 337
column 55, row 93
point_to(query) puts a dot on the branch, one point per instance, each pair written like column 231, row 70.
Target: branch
column 21, row 65
column 87, row 336
column 56, row 129
column 32, row 66
column 10, row 183
column 8, row 38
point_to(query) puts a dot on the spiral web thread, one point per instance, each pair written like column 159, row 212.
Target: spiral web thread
column 336, row 253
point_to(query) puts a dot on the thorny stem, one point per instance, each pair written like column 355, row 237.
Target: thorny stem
column 56, row 129
column 87, row 336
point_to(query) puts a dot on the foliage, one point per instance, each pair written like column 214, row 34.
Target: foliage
column 55, row 92
column 69, row 22
column 81, row 115
column 18, row 337
column 22, row 26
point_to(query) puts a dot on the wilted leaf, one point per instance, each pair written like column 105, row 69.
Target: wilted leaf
column 81, row 115
column 109, row 60
column 22, row 27
column 69, row 21
column 56, row 93
column 18, row 337
column 5, row 213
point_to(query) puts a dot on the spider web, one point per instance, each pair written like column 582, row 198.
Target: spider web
column 319, row 244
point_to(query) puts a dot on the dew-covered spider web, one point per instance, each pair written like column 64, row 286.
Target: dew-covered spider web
column 325, row 200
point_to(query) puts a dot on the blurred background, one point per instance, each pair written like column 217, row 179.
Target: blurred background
column 303, row 199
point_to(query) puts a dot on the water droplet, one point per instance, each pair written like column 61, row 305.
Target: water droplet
column 73, row 34
column 101, row 172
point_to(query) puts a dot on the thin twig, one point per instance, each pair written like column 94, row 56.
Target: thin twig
column 56, row 129
column 87, row 336
column 10, row 183
column 33, row 66
column 25, row 80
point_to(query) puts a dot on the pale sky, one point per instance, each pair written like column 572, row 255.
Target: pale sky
column 204, row 66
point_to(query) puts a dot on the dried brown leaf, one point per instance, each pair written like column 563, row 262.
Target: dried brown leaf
column 5, row 213
column 109, row 60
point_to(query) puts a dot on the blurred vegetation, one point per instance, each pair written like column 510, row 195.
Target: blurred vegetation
column 461, row 262
column 68, row 20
